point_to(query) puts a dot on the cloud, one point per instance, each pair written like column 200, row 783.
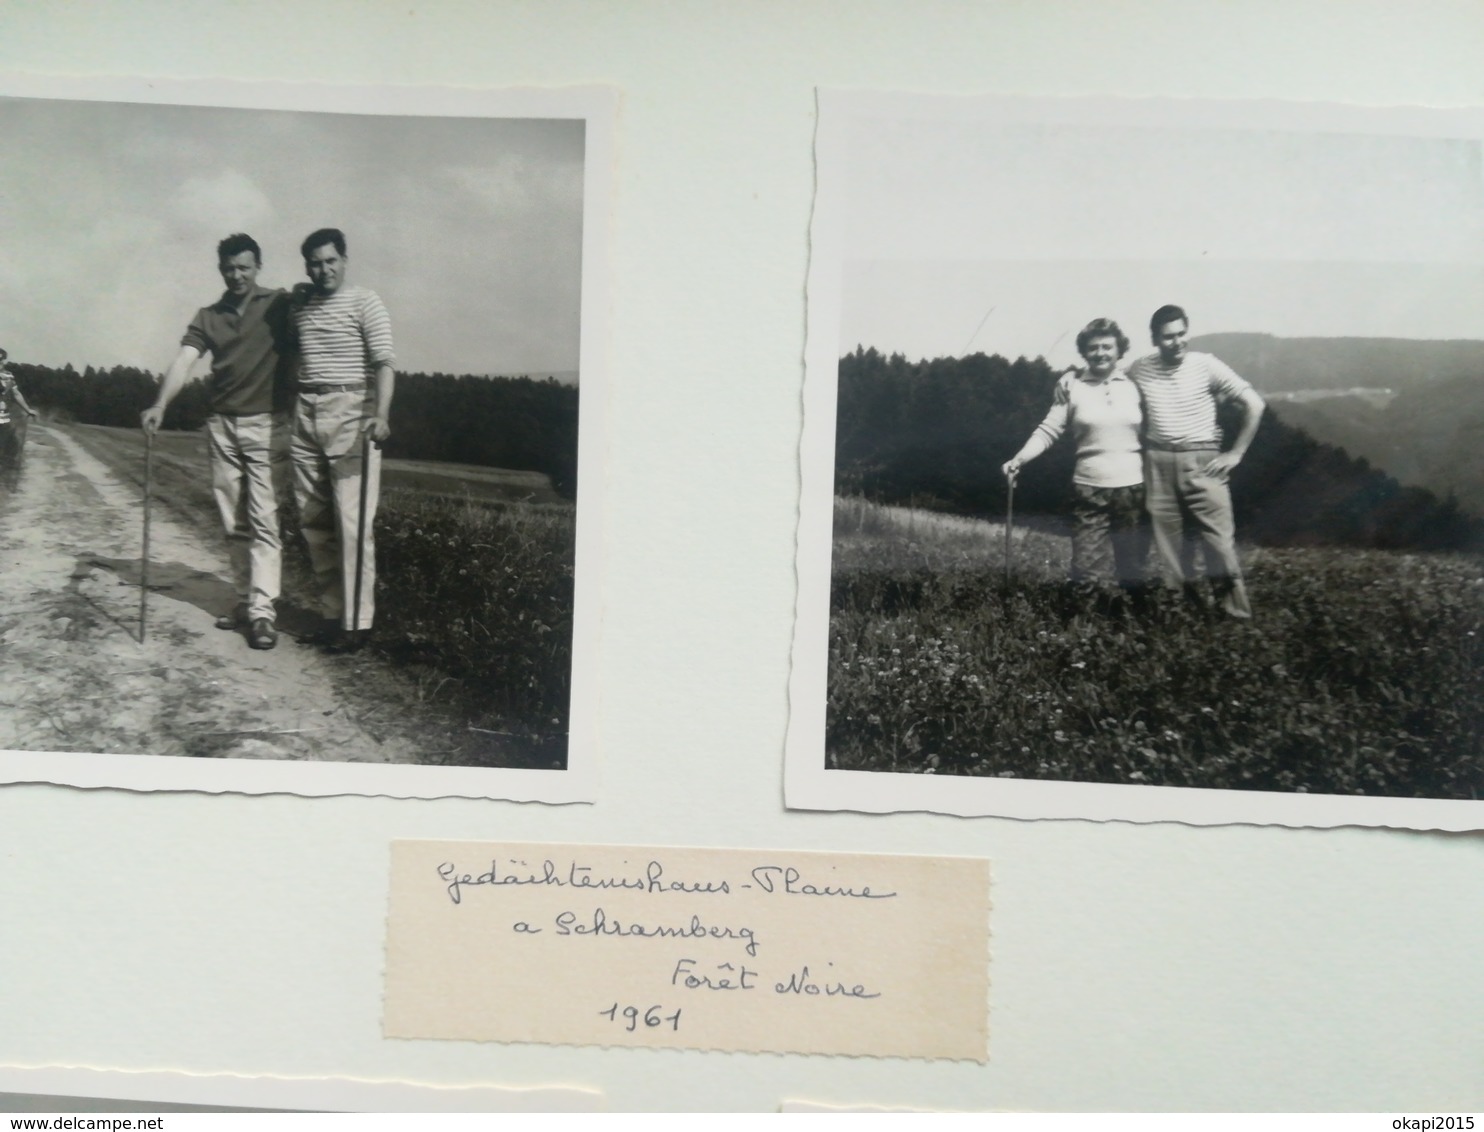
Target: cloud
column 110, row 214
column 514, row 183
column 228, row 201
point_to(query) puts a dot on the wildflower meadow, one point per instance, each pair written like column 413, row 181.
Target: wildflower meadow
column 1361, row 673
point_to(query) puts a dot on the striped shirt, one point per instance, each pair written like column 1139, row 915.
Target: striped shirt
column 1180, row 401
column 1103, row 418
column 343, row 337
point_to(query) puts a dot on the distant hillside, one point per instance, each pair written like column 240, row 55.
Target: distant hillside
column 1430, row 435
column 1413, row 408
column 1290, row 364
column 1354, row 424
column 933, row 434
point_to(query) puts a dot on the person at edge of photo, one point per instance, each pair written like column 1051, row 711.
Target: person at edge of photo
column 11, row 392
column 1099, row 407
column 340, row 421
column 12, row 433
column 248, row 336
column 1185, row 471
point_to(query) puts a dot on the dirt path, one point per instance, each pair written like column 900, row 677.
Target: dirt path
column 74, row 675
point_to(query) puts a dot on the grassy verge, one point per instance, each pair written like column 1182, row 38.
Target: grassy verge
column 1363, row 672
column 483, row 593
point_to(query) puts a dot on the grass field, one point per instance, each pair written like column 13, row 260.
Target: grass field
column 466, row 481
column 186, row 451
column 474, row 581
column 1362, row 672
column 484, row 593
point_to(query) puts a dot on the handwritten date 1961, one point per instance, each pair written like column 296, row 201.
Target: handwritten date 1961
column 651, row 1017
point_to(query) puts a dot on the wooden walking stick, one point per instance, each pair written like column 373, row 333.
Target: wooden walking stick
column 149, row 452
column 1009, row 519
column 355, row 618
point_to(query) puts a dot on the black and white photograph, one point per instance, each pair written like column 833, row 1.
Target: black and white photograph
column 300, row 399
column 1141, row 463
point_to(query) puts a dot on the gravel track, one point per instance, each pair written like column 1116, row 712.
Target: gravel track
column 76, row 677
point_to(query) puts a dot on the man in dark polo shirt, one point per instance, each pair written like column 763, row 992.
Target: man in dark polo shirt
column 249, row 336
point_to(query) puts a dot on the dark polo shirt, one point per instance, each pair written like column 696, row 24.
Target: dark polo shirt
column 252, row 353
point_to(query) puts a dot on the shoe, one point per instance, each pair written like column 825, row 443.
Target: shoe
column 234, row 620
column 349, row 640
column 324, row 635
column 263, row 634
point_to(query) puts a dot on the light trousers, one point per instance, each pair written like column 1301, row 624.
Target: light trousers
column 327, row 456
column 247, row 469
column 1191, row 512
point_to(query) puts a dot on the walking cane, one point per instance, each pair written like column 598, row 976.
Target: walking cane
column 149, row 452
column 1009, row 519
column 355, row 618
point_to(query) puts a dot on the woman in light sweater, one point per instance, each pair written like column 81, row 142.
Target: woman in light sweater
column 1100, row 407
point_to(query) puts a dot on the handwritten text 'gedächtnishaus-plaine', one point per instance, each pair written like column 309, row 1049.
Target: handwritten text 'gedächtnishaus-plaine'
column 785, row 880
column 687, row 974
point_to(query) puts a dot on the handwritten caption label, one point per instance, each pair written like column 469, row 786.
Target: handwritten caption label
column 689, row 948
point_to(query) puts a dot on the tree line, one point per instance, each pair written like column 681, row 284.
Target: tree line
column 934, row 433
column 519, row 423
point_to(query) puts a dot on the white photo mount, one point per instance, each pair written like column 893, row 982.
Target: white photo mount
column 932, row 202
column 596, row 108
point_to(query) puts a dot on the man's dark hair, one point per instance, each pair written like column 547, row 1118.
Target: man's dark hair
column 1102, row 328
column 319, row 238
column 236, row 244
column 1167, row 313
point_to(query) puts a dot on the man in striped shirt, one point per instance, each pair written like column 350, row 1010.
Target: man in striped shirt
column 344, row 397
column 1185, row 470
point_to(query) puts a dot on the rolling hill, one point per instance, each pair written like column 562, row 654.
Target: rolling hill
column 1430, row 433
column 1279, row 365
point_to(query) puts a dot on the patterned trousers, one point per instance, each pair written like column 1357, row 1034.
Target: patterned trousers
column 1110, row 542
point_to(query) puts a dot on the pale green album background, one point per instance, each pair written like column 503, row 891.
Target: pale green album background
column 1134, row 967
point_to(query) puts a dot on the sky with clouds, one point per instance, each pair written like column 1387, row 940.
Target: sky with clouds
column 965, row 235
column 470, row 229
